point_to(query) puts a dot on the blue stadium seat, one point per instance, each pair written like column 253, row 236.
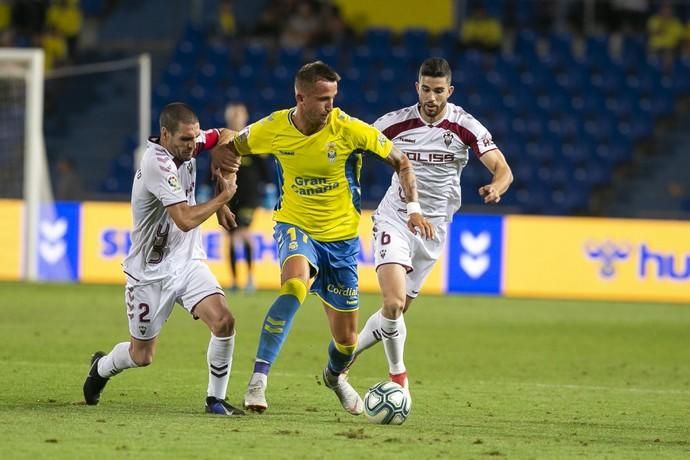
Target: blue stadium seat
column 597, row 50
column 448, row 42
column 186, row 53
column 290, row 58
column 416, row 42
column 379, row 42
column 362, row 57
column 328, row 54
column 375, row 37
column 208, row 76
column 219, row 55
column 634, row 49
column 255, row 56
column 525, row 44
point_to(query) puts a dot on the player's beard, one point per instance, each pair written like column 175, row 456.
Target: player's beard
column 436, row 108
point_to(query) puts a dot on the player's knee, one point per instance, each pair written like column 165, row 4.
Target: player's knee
column 393, row 307
column 142, row 358
column 223, row 325
column 346, row 341
column 296, row 287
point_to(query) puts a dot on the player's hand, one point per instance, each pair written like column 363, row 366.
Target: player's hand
column 490, row 194
column 226, row 218
column 417, row 223
column 225, row 188
column 225, row 158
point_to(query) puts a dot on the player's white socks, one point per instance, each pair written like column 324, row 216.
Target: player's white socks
column 370, row 333
column 394, row 332
column 219, row 359
column 116, row 361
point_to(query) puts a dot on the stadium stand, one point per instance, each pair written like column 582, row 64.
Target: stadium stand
column 568, row 106
column 565, row 119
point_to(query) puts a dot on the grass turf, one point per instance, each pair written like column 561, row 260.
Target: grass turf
column 490, row 377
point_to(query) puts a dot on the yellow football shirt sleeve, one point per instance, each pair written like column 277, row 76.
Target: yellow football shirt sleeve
column 255, row 139
column 370, row 139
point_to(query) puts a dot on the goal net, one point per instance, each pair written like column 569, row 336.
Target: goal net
column 24, row 172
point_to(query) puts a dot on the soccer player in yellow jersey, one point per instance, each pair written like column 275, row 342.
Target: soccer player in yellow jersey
column 318, row 150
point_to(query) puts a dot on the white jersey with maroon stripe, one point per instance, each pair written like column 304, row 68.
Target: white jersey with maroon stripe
column 438, row 153
column 159, row 248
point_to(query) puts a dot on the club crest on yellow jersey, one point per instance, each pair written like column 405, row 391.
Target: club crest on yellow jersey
column 330, row 151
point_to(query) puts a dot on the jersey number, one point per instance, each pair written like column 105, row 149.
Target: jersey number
column 293, row 234
column 385, row 238
column 144, row 314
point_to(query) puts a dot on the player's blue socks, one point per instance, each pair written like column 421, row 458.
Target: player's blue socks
column 340, row 356
column 279, row 320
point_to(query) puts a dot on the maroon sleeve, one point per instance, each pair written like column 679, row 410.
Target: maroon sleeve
column 206, row 140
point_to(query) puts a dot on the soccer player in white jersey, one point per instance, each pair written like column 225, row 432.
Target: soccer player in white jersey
column 165, row 264
column 436, row 136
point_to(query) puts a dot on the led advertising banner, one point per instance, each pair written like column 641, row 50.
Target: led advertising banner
column 475, row 250
column 58, row 242
column 11, row 231
column 521, row 256
column 615, row 259
column 106, row 239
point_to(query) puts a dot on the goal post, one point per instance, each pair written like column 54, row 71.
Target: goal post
column 25, row 174
column 21, row 93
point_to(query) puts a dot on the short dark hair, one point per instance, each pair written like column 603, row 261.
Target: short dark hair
column 435, row 67
column 314, row 71
column 175, row 113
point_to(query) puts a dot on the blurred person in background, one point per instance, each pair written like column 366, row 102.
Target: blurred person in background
column 301, row 27
column 55, row 47
column 250, row 177
column 66, row 17
column 227, row 24
column 165, row 263
column 436, row 136
column 5, row 23
column 332, row 29
column 68, row 184
column 481, row 31
column 665, row 34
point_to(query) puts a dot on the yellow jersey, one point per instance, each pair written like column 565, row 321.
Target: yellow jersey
column 318, row 175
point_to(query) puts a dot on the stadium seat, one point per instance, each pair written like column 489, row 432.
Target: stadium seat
column 291, row 58
column 416, row 43
column 256, row 57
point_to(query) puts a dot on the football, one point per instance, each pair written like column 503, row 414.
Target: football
column 387, row 403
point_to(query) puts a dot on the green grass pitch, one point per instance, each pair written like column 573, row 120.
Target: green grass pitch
column 490, row 378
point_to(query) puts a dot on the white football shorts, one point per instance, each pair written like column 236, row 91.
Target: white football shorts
column 394, row 243
column 149, row 305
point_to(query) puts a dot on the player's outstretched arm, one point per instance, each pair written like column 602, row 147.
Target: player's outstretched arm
column 189, row 217
column 225, row 135
column 503, row 176
column 225, row 158
column 408, row 182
